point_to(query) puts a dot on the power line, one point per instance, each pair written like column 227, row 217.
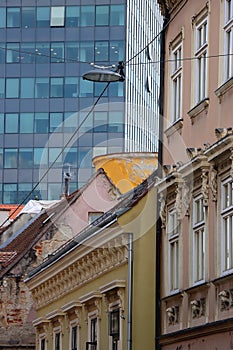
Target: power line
column 60, row 153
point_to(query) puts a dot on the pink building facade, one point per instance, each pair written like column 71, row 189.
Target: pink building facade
column 196, row 193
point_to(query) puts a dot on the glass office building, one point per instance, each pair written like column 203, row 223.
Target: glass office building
column 45, row 47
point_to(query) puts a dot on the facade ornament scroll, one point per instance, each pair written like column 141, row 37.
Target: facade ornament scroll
column 213, row 182
column 186, row 198
column 205, row 186
column 163, row 210
column 121, row 295
column 178, row 204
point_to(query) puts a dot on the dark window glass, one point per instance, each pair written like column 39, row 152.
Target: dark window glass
column 117, row 15
column 27, row 53
column 2, row 52
column 93, row 331
column 74, row 340
column 72, row 16
column 10, row 193
column 101, row 51
column 26, row 122
column 27, row 87
column 71, row 51
column 12, row 54
column 1, row 123
column 56, row 87
column 55, row 122
column 11, row 123
column 42, row 88
column 2, row 87
column 42, row 53
column 116, row 89
column 86, row 53
column 102, row 15
column 71, row 87
column 57, row 341
column 1, row 158
column 25, row 157
column 87, row 16
column 28, row 17
column 84, row 157
column 10, row 160
column 42, row 344
column 41, row 123
column 57, row 52
column 71, row 157
column 2, row 17
column 12, row 88
column 23, row 191
column 13, row 17
column 98, row 88
column 43, row 17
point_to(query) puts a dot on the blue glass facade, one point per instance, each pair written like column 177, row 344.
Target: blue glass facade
column 45, row 47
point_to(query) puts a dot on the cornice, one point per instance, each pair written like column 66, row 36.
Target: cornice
column 93, row 265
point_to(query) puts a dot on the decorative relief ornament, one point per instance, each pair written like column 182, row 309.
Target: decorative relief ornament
column 213, row 182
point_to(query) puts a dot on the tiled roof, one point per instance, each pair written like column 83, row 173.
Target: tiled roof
column 13, row 209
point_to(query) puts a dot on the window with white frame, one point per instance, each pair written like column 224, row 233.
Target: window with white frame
column 173, row 250
column 42, row 342
column 93, row 331
column 201, row 52
column 228, row 40
column 198, row 240
column 227, row 225
column 176, row 82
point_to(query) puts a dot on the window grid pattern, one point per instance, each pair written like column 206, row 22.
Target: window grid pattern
column 201, row 51
column 228, row 40
column 227, row 225
column 176, row 77
column 173, row 250
column 198, row 240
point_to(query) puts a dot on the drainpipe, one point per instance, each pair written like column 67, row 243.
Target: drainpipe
column 159, row 172
column 130, row 290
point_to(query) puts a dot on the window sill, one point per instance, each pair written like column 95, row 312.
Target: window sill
column 200, row 107
column 221, row 90
column 176, row 126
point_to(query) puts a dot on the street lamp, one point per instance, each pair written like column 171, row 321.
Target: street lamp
column 103, row 74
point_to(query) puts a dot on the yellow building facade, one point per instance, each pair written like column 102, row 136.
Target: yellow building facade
column 97, row 292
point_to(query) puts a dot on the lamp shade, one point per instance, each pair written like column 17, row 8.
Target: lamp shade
column 102, row 75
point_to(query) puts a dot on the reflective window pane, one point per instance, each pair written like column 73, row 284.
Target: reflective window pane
column 71, row 87
column 27, row 53
column 70, row 121
column 101, row 51
column 100, row 121
column 57, row 52
column 40, row 157
column 117, row 15
column 41, row 123
column 42, row 53
column 28, row 17
column 116, row 51
column 56, row 87
column 102, row 15
column 72, row 51
column 55, row 157
column 42, row 88
column 115, row 122
column 57, row 16
column 2, row 52
column 13, row 17
column 25, row 157
column 87, row 16
column 43, row 17
column 71, row 157
column 86, row 51
column 10, row 194
column 54, row 191
column 84, row 157
column 2, row 87
column 27, row 87
column 11, row 123
column 2, row 17
column 1, row 158
column 55, row 122
column 10, row 160
column 72, row 16
column 26, row 123
column 23, row 192
column 12, row 88
column 86, row 88
column 12, row 54
column 1, row 123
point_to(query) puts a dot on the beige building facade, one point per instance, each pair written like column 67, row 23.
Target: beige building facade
column 196, row 193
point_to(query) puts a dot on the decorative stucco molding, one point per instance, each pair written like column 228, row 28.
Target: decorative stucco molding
column 205, row 186
column 163, row 209
column 83, row 270
column 213, row 182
